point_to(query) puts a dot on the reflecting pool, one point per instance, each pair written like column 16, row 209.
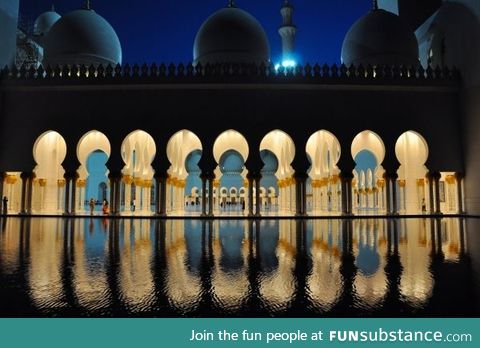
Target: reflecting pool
column 239, row 268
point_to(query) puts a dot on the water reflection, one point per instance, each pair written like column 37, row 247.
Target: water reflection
column 76, row 267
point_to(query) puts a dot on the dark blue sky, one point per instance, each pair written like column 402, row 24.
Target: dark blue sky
column 164, row 31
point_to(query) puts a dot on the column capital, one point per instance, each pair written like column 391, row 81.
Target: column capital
column 254, row 176
column 390, row 175
column 300, row 176
column 346, row 176
column 434, row 175
column 26, row 175
column 207, row 176
column 71, row 175
column 115, row 175
column 161, row 177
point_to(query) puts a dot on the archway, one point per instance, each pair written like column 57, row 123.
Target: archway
column 193, row 182
column 138, row 152
column 323, row 150
column 231, row 166
column 368, row 152
column 411, row 150
column 269, row 180
column 281, row 145
column 49, row 152
column 93, row 151
column 230, row 151
column 184, row 150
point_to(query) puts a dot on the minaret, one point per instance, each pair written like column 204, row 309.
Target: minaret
column 288, row 32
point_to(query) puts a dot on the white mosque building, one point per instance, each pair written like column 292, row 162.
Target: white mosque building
column 392, row 131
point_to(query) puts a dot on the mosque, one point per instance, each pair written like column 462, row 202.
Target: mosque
column 391, row 131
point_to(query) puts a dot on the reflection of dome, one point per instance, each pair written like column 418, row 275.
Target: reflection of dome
column 82, row 37
column 45, row 22
column 231, row 35
column 380, row 38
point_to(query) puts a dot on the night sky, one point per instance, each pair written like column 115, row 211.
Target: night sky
column 164, row 31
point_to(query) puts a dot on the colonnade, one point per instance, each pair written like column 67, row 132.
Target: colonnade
column 337, row 195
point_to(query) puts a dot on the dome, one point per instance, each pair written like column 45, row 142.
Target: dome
column 380, row 38
column 231, row 35
column 82, row 37
column 45, row 22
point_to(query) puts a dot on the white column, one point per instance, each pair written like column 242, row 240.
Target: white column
column 128, row 198
column 138, row 198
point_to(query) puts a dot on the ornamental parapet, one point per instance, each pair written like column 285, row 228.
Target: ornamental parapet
column 231, row 73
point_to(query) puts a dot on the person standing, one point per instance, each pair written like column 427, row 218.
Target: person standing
column 91, row 203
column 105, row 209
column 5, row 205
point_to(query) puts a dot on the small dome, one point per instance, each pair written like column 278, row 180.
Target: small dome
column 231, row 35
column 380, row 38
column 45, row 22
column 82, row 37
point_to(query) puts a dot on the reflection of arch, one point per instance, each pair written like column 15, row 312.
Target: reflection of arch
column 278, row 286
column 370, row 244
column 325, row 279
column 417, row 283
column 411, row 150
column 230, row 252
column 49, row 152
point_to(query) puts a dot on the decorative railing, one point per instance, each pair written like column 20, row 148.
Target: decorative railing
column 240, row 72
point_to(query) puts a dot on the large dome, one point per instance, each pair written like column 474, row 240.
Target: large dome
column 231, row 35
column 82, row 37
column 380, row 38
column 45, row 22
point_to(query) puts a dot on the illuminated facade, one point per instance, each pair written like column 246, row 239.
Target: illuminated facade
column 231, row 134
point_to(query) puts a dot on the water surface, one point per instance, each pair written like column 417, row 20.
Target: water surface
column 238, row 268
